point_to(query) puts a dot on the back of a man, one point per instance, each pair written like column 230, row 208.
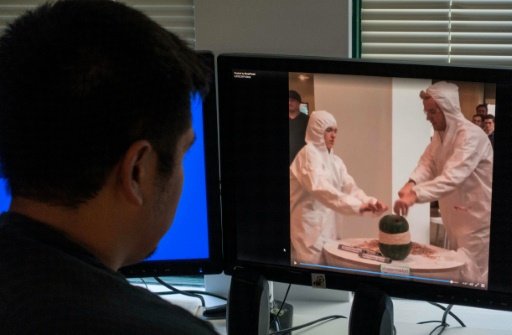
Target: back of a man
column 52, row 286
column 94, row 122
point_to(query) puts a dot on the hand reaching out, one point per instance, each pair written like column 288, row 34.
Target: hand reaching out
column 375, row 208
column 407, row 199
column 380, row 207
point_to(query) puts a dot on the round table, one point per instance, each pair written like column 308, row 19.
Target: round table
column 442, row 264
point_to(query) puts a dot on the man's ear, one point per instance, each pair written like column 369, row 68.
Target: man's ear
column 136, row 167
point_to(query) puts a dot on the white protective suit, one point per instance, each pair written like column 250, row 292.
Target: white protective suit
column 456, row 170
column 320, row 186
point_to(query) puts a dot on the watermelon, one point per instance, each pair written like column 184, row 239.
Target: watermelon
column 394, row 237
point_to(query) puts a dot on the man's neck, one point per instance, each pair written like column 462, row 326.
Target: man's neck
column 78, row 224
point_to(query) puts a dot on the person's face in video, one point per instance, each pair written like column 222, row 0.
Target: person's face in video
column 481, row 110
column 330, row 137
column 477, row 119
column 434, row 114
column 293, row 106
column 488, row 126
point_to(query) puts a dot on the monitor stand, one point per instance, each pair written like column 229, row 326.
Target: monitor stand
column 248, row 310
column 371, row 312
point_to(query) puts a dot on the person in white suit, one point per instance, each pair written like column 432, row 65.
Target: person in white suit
column 456, row 170
column 320, row 187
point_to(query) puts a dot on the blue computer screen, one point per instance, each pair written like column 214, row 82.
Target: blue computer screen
column 188, row 236
column 5, row 199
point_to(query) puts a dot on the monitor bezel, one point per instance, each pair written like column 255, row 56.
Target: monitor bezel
column 227, row 63
column 214, row 263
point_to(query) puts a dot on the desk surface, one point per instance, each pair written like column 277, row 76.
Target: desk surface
column 407, row 313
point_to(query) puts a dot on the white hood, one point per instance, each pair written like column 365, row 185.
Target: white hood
column 446, row 96
column 319, row 121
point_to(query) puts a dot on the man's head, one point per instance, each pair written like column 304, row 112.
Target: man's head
column 489, row 124
column 481, row 109
column 294, row 100
column 478, row 120
column 94, row 122
column 441, row 104
column 81, row 81
column 322, row 130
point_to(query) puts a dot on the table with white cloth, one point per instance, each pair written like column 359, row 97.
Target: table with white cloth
column 439, row 263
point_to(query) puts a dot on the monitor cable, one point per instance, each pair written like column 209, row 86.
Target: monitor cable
column 213, row 312
column 208, row 294
column 443, row 324
column 276, row 314
column 275, row 318
column 191, row 292
column 145, row 284
column 311, row 323
column 183, row 292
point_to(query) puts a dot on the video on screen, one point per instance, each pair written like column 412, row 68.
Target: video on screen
column 391, row 177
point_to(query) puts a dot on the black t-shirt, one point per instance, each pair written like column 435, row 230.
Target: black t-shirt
column 50, row 285
column 297, row 128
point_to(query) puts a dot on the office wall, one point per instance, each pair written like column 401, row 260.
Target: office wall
column 362, row 108
column 295, row 27
column 411, row 134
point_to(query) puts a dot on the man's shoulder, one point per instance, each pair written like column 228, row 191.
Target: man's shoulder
column 303, row 117
column 46, row 286
column 300, row 118
column 471, row 132
column 64, row 298
column 110, row 313
column 309, row 157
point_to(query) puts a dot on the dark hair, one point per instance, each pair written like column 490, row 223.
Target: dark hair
column 489, row 117
column 294, row 95
column 81, row 80
column 481, row 105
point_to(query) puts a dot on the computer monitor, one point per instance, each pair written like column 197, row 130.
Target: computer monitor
column 192, row 246
column 382, row 133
